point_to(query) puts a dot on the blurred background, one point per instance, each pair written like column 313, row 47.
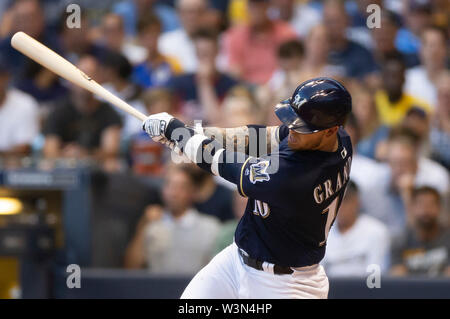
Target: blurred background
column 81, row 184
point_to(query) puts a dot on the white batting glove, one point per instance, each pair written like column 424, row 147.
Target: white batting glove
column 155, row 125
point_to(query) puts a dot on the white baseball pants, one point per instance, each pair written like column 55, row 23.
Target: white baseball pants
column 227, row 277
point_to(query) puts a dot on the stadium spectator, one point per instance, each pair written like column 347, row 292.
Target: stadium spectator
column 391, row 101
column 113, row 37
column 19, row 117
column 301, row 15
column 26, row 16
column 82, row 126
column 251, row 49
column 133, row 10
column 42, row 84
column 317, row 51
column 77, row 42
column 211, row 198
column 422, row 80
column 417, row 16
column 356, row 61
column 384, row 40
column 284, row 80
column 174, row 238
column 148, row 157
column 116, row 70
column 371, row 132
column 227, row 229
column 192, row 14
column 406, row 169
column 440, row 124
column 157, row 69
column 199, row 94
column 365, row 171
column 240, row 108
column 417, row 121
column 424, row 247
column 356, row 240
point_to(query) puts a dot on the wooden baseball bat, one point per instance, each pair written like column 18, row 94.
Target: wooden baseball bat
column 60, row 66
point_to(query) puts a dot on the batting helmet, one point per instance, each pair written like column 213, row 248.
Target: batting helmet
column 316, row 105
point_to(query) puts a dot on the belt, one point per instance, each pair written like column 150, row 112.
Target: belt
column 264, row 266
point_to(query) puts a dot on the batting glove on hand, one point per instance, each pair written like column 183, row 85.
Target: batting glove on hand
column 155, row 125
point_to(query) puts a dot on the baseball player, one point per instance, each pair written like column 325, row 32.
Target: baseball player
column 294, row 186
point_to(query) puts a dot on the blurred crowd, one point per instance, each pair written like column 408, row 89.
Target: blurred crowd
column 227, row 63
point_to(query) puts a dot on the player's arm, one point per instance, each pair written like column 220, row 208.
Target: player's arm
column 209, row 154
column 254, row 140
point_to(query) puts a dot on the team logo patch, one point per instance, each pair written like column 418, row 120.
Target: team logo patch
column 258, row 172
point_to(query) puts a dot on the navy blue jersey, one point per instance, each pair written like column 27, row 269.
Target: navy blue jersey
column 291, row 208
column 293, row 196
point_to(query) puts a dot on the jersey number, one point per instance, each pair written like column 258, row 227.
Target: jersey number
column 261, row 209
column 331, row 211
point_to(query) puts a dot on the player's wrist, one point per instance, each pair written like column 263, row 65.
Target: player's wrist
column 174, row 125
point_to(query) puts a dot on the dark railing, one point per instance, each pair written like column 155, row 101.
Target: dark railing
column 107, row 283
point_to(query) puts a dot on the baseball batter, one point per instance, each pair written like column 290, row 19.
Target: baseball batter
column 295, row 185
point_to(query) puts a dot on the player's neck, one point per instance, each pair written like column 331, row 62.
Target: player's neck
column 330, row 145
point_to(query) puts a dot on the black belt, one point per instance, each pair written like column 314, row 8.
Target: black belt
column 277, row 270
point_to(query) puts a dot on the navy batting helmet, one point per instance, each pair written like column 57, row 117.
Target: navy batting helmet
column 316, row 105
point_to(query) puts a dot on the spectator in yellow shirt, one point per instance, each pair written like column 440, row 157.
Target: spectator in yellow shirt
column 391, row 101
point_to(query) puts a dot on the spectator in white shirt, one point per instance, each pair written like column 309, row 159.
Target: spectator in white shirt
column 421, row 80
column 356, row 240
column 174, row 238
column 19, row 117
column 405, row 170
column 192, row 15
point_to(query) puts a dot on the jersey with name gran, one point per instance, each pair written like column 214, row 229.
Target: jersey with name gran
column 294, row 197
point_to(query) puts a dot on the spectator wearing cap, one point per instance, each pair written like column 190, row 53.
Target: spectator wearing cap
column 417, row 16
column 199, row 94
column 355, row 60
column 356, row 240
column 391, row 101
column 424, row 247
column 439, row 138
column 422, row 80
column 19, row 117
column 251, row 49
column 173, row 238
column 132, row 11
column 405, row 169
column 179, row 43
column 157, row 69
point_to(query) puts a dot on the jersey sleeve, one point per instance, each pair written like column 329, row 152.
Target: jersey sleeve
column 255, row 177
column 260, row 178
